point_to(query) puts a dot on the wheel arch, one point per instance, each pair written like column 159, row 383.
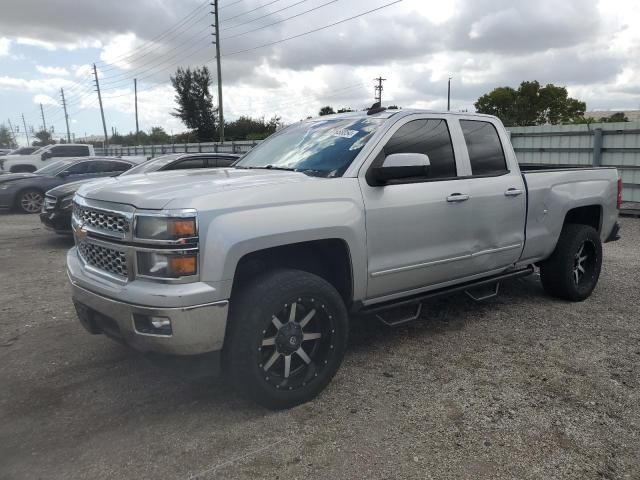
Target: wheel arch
column 590, row 215
column 328, row 258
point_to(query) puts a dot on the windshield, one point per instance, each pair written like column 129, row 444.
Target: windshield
column 152, row 165
column 324, row 148
column 55, row 167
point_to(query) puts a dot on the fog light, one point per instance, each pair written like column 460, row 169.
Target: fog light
column 160, row 322
column 150, row 325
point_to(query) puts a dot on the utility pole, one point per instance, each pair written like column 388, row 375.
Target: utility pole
column 449, row 95
column 13, row 133
column 26, row 132
column 66, row 115
column 378, row 89
column 104, row 125
column 44, row 124
column 216, row 33
column 135, row 91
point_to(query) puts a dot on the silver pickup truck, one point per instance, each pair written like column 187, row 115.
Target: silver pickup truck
column 361, row 213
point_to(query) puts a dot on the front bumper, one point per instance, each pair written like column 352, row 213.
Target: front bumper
column 195, row 328
column 59, row 222
column 7, row 198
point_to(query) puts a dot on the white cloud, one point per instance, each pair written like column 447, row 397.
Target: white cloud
column 5, row 45
column 36, row 85
column 44, row 100
column 33, row 42
column 60, row 71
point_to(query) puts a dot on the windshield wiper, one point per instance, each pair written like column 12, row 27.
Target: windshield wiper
column 267, row 167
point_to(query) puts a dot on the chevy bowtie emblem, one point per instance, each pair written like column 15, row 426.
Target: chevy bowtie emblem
column 80, row 231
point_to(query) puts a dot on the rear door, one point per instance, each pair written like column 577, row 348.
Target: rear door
column 418, row 230
column 498, row 198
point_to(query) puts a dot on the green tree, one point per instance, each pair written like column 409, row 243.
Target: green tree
column 326, row 111
column 531, row 104
column 43, row 138
column 6, row 139
column 247, row 128
column 157, row 136
column 195, row 105
column 616, row 117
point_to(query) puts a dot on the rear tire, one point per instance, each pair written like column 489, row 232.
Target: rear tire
column 573, row 269
column 277, row 358
column 29, row 201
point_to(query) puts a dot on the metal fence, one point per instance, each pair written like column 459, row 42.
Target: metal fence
column 155, row 150
column 599, row 144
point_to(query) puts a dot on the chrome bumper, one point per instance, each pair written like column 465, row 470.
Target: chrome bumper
column 195, row 329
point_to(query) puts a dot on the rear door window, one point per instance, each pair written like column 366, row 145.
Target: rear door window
column 78, row 168
column 193, row 162
column 106, row 166
column 221, row 161
column 485, row 149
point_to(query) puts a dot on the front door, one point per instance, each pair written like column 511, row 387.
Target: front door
column 418, row 230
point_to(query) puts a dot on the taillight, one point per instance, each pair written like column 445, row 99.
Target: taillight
column 619, row 202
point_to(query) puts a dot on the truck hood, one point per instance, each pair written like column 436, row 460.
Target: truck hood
column 72, row 187
column 155, row 190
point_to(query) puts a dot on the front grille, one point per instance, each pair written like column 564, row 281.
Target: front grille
column 107, row 222
column 103, row 258
column 49, row 203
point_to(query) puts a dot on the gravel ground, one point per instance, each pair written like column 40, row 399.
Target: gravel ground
column 521, row 386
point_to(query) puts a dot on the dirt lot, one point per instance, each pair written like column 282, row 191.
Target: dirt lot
column 521, row 386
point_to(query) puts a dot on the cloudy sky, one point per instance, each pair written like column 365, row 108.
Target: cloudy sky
column 591, row 46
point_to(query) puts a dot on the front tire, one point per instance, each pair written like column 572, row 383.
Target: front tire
column 286, row 338
column 573, row 269
column 30, row 201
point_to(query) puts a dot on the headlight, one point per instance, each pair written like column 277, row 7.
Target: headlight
column 167, row 265
column 165, row 228
column 66, row 202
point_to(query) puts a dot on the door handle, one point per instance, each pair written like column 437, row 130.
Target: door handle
column 457, row 197
column 513, row 192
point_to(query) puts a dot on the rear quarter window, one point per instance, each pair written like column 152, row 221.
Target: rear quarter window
column 485, row 149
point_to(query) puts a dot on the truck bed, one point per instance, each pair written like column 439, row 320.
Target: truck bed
column 553, row 191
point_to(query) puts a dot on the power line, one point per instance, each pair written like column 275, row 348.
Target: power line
column 159, row 67
column 153, row 42
column 238, row 52
column 250, row 11
column 264, row 16
column 280, row 21
column 231, row 4
column 173, row 49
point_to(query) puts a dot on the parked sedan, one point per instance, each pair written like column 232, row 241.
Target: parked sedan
column 25, row 191
column 56, row 213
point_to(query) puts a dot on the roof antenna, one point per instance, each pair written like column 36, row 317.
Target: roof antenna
column 376, row 108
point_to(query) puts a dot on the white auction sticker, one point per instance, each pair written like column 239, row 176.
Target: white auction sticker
column 344, row 133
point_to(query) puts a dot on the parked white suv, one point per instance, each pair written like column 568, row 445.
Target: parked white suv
column 40, row 158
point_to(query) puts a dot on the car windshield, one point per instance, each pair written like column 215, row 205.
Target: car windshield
column 324, row 148
column 152, row 165
column 54, row 168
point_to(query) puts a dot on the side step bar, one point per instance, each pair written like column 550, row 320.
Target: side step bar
column 463, row 287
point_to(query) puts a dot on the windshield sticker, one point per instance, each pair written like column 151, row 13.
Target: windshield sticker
column 344, row 133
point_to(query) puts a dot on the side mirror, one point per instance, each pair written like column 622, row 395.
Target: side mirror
column 46, row 155
column 401, row 165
